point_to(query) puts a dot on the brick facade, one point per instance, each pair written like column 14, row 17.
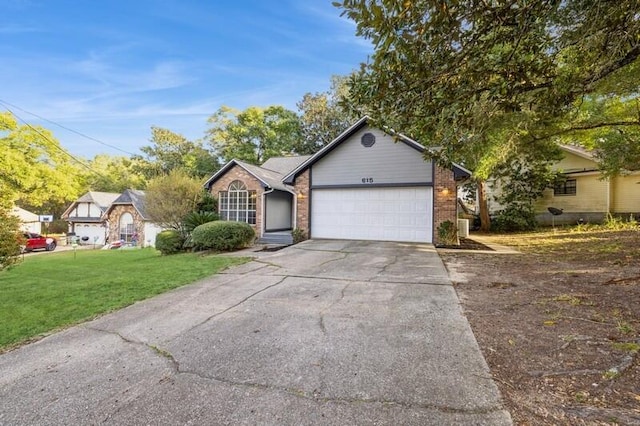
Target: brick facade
column 301, row 188
column 114, row 222
column 252, row 184
column 445, row 199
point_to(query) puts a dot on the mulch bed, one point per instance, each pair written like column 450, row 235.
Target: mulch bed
column 466, row 244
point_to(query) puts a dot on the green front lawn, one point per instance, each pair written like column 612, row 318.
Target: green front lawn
column 54, row 290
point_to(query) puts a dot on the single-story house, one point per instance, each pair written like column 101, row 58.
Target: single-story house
column 126, row 220
column 29, row 222
column 84, row 216
column 586, row 195
column 367, row 184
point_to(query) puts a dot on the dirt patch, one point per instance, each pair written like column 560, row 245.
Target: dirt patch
column 559, row 324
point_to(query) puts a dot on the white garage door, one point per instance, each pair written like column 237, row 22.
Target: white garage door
column 384, row 214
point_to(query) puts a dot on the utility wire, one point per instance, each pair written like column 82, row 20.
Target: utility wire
column 53, row 143
column 7, row 104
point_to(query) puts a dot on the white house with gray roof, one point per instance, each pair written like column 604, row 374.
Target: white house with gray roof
column 84, row 216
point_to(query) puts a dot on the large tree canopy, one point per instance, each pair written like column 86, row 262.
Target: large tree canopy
column 494, row 78
column 255, row 134
column 33, row 165
column 323, row 117
column 170, row 151
column 114, row 174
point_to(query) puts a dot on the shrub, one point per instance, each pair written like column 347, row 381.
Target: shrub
column 448, row 233
column 192, row 221
column 514, row 219
column 299, row 235
column 616, row 223
column 195, row 219
column 10, row 240
column 169, row 242
column 222, row 236
column 207, row 203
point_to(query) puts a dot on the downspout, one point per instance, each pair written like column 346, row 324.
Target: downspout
column 608, row 197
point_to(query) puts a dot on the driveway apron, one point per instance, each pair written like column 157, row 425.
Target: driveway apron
column 323, row 332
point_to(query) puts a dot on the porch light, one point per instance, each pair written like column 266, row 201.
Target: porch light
column 445, row 191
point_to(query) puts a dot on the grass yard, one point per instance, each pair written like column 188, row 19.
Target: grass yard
column 50, row 291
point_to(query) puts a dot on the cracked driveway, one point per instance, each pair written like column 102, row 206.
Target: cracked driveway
column 324, row 332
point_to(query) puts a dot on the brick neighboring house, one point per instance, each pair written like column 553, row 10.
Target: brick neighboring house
column 127, row 220
column 367, row 184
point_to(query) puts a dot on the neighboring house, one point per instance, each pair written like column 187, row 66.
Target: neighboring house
column 367, row 184
column 29, row 222
column 127, row 220
column 586, row 195
column 84, row 216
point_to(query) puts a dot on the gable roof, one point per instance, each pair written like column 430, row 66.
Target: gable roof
column 25, row 216
column 101, row 199
column 268, row 178
column 284, row 165
column 459, row 171
column 134, row 197
column 579, row 151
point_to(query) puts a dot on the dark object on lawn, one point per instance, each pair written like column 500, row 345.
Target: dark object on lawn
column 85, row 238
column 554, row 212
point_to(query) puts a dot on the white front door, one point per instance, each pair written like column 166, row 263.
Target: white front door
column 383, row 214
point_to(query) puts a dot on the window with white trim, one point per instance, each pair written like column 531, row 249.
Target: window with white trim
column 127, row 228
column 237, row 203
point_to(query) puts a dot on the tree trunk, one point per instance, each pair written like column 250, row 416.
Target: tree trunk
column 485, row 220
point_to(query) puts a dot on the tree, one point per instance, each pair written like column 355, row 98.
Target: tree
column 521, row 182
column 10, row 238
column 34, row 166
column 170, row 151
column 485, row 80
column 113, row 174
column 609, row 126
column 168, row 199
column 255, row 134
column 322, row 116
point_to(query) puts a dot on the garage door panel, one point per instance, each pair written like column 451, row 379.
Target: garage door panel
column 389, row 214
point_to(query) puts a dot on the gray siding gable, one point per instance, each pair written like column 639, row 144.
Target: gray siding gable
column 388, row 162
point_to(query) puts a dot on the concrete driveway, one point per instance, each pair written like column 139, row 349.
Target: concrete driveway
column 324, row 332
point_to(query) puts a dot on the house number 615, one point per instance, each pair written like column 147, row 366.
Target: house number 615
column 367, row 180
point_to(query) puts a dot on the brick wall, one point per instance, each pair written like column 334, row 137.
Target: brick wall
column 445, row 199
column 301, row 188
column 252, row 184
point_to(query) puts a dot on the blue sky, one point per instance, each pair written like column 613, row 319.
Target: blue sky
column 111, row 69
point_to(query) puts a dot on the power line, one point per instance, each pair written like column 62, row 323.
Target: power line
column 7, row 104
column 53, row 143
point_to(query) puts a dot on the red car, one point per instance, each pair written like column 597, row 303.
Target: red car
column 37, row 241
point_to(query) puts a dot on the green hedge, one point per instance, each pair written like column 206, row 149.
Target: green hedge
column 169, row 242
column 222, row 236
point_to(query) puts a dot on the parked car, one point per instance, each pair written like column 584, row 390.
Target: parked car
column 36, row 241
